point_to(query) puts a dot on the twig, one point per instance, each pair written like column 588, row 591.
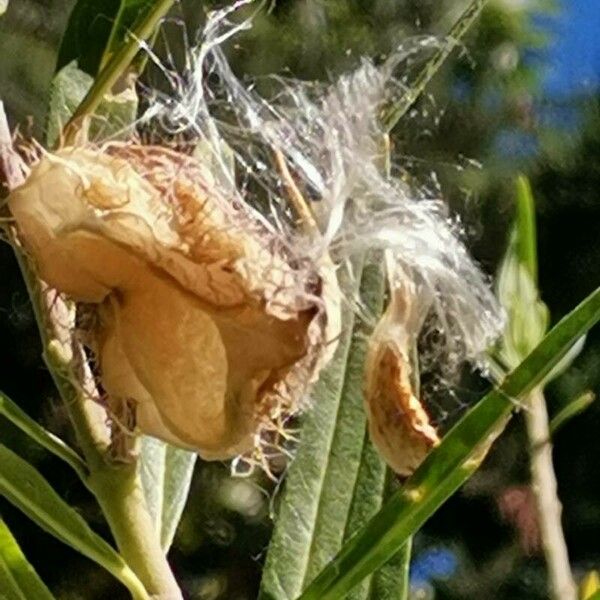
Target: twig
column 305, row 215
column 561, row 584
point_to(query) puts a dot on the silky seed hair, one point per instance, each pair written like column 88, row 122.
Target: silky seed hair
column 332, row 140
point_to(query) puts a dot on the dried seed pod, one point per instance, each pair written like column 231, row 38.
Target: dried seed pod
column 205, row 321
column 398, row 424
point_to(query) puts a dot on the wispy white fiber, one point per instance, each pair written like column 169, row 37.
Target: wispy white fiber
column 332, row 139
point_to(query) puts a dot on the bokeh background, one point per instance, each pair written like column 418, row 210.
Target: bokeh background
column 523, row 95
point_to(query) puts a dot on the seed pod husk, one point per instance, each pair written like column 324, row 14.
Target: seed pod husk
column 206, row 323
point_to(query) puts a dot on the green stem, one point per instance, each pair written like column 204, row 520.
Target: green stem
column 527, row 235
column 85, row 414
column 462, row 25
column 404, row 564
column 117, row 488
column 120, row 494
column 116, row 66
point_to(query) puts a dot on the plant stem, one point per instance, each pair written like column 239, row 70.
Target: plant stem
column 404, row 565
column 120, row 494
column 561, row 584
column 116, row 66
column 462, row 25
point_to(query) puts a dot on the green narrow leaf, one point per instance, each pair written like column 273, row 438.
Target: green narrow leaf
column 325, row 496
column 166, row 474
column 179, row 468
column 392, row 581
column 23, row 486
column 449, row 465
column 375, row 484
column 572, row 409
column 527, row 316
column 526, row 228
column 40, row 435
column 367, row 499
column 18, row 579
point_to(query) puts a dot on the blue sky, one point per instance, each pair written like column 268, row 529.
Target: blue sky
column 573, row 58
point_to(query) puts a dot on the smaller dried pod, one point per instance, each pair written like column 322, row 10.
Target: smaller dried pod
column 207, row 324
column 399, row 425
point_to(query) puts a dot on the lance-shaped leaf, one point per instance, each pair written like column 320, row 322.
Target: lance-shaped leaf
column 527, row 315
column 23, row 486
column 450, row 464
column 44, row 438
column 571, row 409
column 166, row 477
column 18, row 579
column 337, row 479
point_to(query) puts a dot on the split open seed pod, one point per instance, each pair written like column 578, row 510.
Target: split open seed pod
column 207, row 324
column 399, row 425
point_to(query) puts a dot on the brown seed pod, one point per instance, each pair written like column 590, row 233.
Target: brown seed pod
column 398, row 424
column 206, row 322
